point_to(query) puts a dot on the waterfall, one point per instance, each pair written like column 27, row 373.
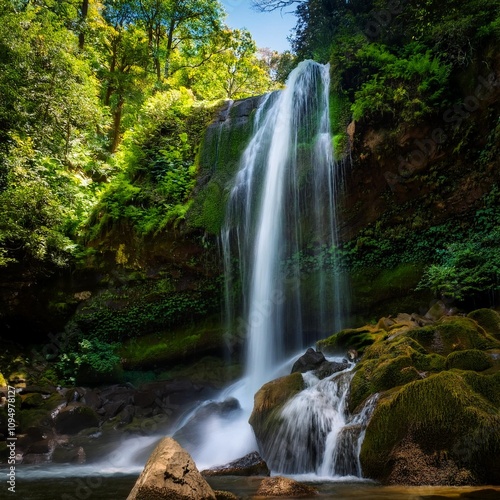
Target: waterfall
column 282, row 207
column 282, row 288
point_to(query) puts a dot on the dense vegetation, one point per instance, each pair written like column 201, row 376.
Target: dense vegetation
column 78, row 76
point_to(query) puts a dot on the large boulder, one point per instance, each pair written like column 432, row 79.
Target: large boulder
column 315, row 361
column 280, row 486
column 268, row 402
column 311, row 360
column 171, row 474
column 351, row 338
column 249, row 465
column 488, row 319
column 441, row 430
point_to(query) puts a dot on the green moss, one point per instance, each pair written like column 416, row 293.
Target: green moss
column 429, row 362
column 173, row 346
column 487, row 319
column 442, row 414
column 269, row 401
column 393, row 347
column 391, row 363
column 453, row 333
column 470, row 359
column 394, row 372
column 34, row 418
column 359, row 339
column 218, row 162
column 34, row 400
column 487, row 386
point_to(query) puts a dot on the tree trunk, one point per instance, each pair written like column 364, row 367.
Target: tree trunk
column 117, row 119
column 84, row 11
column 170, row 43
column 112, row 68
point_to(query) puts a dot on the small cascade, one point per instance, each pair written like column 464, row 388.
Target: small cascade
column 317, row 433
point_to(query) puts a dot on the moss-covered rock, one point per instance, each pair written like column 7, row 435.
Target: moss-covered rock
column 269, row 401
column 218, row 161
column 386, row 364
column 351, row 338
column 471, row 359
column 487, row 319
column 453, row 333
column 446, row 419
column 74, row 418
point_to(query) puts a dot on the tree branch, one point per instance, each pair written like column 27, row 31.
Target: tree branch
column 270, row 5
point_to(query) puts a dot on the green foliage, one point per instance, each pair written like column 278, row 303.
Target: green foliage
column 232, row 72
column 157, row 160
column 407, row 87
column 471, row 267
column 41, row 208
column 94, row 361
column 143, row 308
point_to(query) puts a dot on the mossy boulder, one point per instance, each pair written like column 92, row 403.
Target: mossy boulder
column 351, row 338
column 446, row 420
column 471, row 359
column 454, row 333
column 488, row 319
column 268, row 402
column 405, row 355
column 388, row 364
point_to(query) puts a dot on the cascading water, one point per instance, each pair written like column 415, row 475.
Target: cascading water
column 316, row 433
column 280, row 227
column 282, row 207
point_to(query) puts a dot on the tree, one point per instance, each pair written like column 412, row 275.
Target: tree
column 49, row 107
column 48, row 91
column 126, row 53
column 172, row 23
column 234, row 71
column 279, row 65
